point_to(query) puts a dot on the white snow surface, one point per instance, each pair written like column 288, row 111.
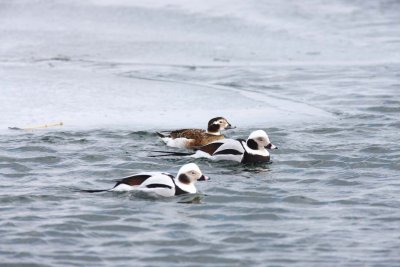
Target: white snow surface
column 66, row 60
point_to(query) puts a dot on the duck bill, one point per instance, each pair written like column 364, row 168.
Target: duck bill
column 230, row 127
column 203, row 178
column 271, row 146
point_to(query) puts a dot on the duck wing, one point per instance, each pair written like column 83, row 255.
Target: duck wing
column 136, row 179
column 223, row 146
column 182, row 133
column 188, row 133
column 210, row 148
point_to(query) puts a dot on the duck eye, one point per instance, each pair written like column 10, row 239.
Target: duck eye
column 193, row 173
column 260, row 139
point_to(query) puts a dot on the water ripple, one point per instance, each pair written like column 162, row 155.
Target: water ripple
column 329, row 197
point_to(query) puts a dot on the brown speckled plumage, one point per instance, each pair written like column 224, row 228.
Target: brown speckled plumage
column 196, row 137
column 191, row 138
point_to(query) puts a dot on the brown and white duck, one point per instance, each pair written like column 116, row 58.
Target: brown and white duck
column 190, row 138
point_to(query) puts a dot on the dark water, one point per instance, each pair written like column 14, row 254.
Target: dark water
column 330, row 197
column 321, row 77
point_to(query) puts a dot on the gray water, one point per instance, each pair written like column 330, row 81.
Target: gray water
column 330, row 197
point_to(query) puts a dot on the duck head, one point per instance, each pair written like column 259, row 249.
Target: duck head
column 187, row 176
column 215, row 125
column 259, row 140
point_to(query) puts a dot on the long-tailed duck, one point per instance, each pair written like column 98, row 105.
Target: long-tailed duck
column 189, row 138
column 161, row 183
column 252, row 150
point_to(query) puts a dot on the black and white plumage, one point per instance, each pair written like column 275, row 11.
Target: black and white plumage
column 252, row 150
column 161, row 183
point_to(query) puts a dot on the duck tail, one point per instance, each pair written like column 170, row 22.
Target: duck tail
column 161, row 135
column 169, row 154
column 94, row 190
